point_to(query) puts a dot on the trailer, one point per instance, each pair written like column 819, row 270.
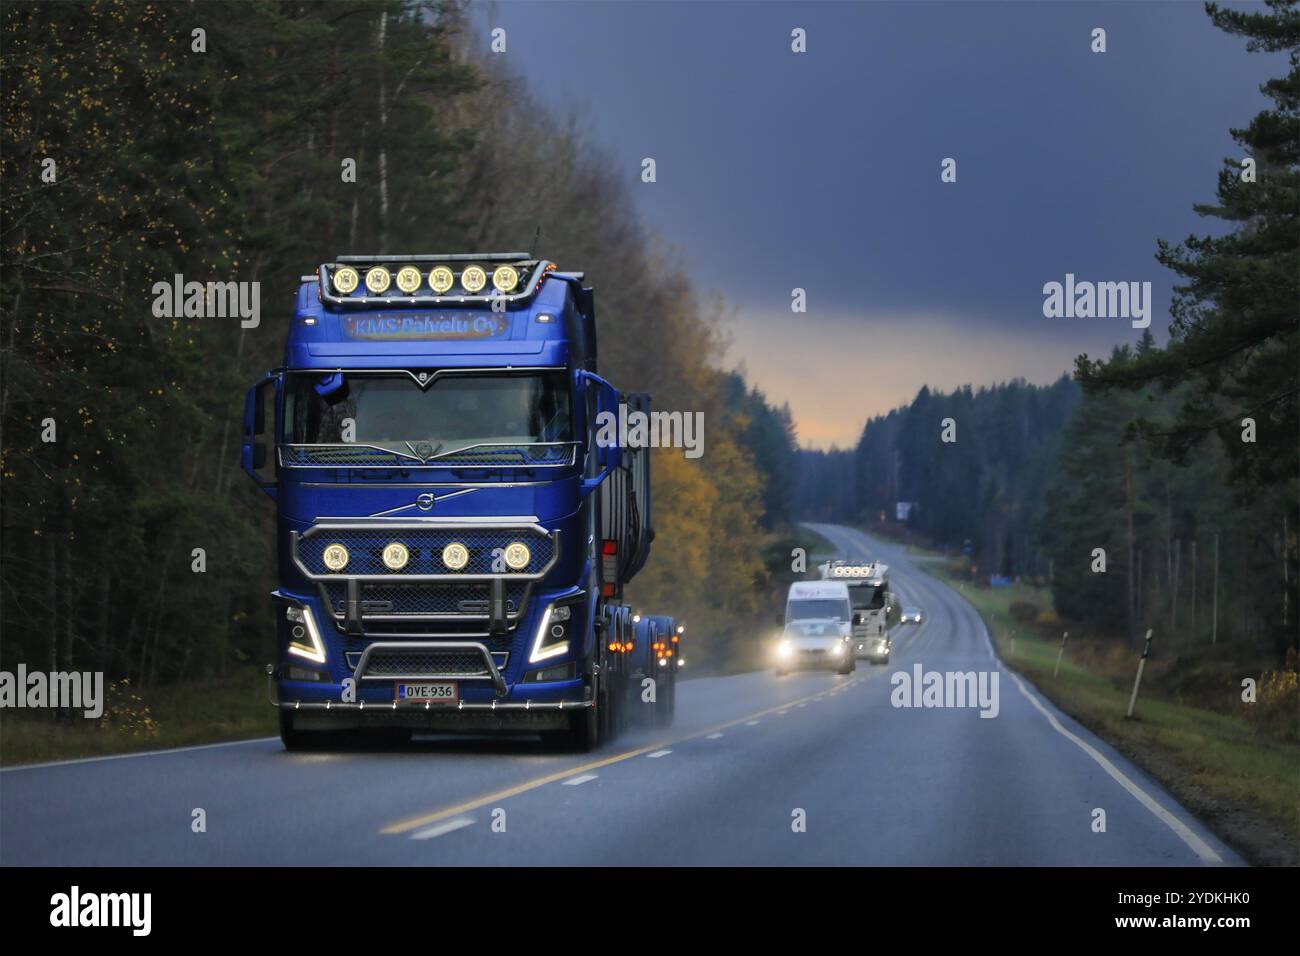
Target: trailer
column 454, row 539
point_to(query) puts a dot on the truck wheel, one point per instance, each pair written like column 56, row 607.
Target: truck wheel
column 665, row 705
column 584, row 730
column 607, row 705
column 296, row 741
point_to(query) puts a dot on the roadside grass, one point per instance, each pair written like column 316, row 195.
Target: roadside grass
column 1239, row 779
column 179, row 715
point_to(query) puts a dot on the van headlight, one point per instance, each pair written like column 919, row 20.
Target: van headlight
column 784, row 649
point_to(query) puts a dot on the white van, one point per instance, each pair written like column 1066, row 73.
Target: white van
column 818, row 628
column 819, row 599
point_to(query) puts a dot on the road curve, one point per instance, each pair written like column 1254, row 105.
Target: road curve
column 808, row 769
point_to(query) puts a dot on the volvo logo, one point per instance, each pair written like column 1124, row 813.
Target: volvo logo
column 424, row 450
column 425, row 502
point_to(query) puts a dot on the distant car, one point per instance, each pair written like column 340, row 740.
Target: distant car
column 815, row 643
column 911, row 615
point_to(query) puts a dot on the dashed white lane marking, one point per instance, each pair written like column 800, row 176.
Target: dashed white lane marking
column 751, row 723
column 782, row 713
column 446, row 826
column 658, row 753
column 575, row 781
column 713, row 736
column 803, row 705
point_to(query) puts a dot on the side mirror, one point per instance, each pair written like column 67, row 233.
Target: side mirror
column 259, row 432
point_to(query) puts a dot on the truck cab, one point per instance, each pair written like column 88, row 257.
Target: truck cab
column 872, row 602
column 451, row 535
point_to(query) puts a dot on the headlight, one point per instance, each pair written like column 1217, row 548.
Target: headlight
column 473, row 279
column 441, row 279
column 346, row 280
column 505, row 279
column 408, row 279
column 378, row 280
column 517, row 555
column 455, row 556
column 305, row 640
column 784, row 649
column 335, row 556
column 395, row 556
column 552, row 638
column 838, row 649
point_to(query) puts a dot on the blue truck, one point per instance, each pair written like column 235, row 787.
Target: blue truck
column 454, row 531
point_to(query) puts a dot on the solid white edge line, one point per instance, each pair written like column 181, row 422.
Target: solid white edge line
column 1189, row 836
column 143, row 753
column 1198, row 846
column 443, row 828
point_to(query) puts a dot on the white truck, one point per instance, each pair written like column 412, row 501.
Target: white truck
column 869, row 594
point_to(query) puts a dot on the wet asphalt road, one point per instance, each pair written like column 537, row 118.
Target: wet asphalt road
column 747, row 759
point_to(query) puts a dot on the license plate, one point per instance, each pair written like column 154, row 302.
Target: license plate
column 438, row 692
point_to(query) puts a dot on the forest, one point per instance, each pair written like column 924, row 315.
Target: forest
column 1157, row 487
column 146, row 141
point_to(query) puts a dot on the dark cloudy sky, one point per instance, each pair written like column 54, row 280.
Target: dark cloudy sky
column 821, row 170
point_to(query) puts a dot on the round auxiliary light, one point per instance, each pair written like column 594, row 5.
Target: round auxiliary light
column 455, row 556
column 441, row 279
column 473, row 279
column 396, row 556
column 517, row 556
column 335, row 556
column 378, row 280
column 408, row 279
column 346, row 280
column 505, row 279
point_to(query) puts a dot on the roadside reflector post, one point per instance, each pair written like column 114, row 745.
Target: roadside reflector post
column 1060, row 653
column 1137, row 681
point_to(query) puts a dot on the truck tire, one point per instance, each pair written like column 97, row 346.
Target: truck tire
column 584, row 730
column 298, row 741
column 663, row 709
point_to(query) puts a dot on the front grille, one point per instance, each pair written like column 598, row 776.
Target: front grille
column 468, row 598
column 525, row 455
column 366, row 545
column 426, row 662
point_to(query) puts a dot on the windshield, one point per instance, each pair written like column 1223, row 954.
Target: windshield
column 867, row 598
column 457, row 411
column 817, row 607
